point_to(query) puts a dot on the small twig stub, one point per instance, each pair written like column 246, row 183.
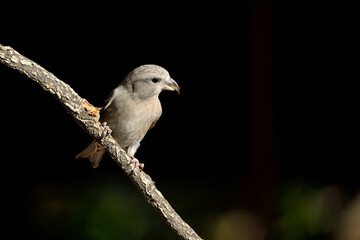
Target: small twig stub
column 91, row 110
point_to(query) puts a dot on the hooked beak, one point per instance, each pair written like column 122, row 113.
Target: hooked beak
column 171, row 85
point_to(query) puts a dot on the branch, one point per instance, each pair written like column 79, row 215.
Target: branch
column 87, row 117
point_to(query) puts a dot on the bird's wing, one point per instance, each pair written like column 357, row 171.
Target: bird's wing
column 158, row 111
column 153, row 124
column 109, row 100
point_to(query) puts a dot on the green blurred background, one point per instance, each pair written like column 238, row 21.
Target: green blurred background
column 259, row 145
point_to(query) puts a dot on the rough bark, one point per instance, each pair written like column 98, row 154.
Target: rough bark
column 87, row 117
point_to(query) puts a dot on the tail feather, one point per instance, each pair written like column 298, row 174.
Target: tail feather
column 94, row 152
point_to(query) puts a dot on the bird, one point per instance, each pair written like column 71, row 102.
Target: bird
column 131, row 109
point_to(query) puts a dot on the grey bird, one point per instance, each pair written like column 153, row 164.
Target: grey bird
column 131, row 110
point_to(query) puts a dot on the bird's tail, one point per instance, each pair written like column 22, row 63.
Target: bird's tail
column 94, row 152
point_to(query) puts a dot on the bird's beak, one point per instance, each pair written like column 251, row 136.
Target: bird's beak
column 171, row 85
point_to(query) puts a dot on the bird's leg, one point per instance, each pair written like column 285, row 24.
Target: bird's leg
column 131, row 152
column 137, row 164
column 107, row 131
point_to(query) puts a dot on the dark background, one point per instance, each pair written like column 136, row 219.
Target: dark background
column 260, row 144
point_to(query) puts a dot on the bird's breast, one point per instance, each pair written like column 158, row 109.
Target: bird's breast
column 129, row 120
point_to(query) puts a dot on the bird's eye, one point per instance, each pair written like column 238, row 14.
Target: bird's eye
column 155, row 80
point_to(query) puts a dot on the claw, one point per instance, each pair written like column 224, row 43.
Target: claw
column 138, row 167
column 107, row 131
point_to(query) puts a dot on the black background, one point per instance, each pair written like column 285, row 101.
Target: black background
column 266, row 97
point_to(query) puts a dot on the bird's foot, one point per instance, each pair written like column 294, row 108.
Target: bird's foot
column 138, row 167
column 107, row 131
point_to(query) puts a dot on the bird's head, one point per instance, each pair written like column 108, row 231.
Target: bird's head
column 149, row 80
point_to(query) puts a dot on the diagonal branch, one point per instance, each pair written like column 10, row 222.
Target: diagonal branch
column 87, row 117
